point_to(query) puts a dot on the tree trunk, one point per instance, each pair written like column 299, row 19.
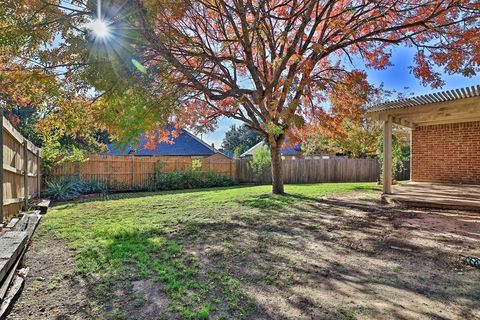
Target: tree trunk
column 277, row 173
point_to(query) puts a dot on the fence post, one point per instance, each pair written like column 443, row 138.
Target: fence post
column 25, row 175
column 39, row 177
column 1, row 169
column 133, row 171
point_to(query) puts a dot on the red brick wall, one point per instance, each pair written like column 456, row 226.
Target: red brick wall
column 447, row 153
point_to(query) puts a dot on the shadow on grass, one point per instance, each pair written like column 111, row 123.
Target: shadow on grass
column 146, row 274
column 262, row 252
column 274, row 202
column 269, row 201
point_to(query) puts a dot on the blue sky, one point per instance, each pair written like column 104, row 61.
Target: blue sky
column 396, row 77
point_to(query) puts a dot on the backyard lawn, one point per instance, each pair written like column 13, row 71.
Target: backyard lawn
column 324, row 251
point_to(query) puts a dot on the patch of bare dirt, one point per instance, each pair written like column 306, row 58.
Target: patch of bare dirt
column 52, row 290
column 155, row 300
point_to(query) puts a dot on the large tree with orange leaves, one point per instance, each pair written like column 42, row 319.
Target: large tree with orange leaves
column 279, row 66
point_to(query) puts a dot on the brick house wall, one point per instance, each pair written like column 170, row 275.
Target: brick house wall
column 446, row 153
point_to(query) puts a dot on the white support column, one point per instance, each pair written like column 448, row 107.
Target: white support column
column 387, row 155
column 411, row 154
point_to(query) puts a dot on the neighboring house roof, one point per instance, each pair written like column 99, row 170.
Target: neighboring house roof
column 226, row 153
column 443, row 96
column 186, row 144
column 295, row 150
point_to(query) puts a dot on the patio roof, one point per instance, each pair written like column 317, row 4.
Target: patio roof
column 451, row 106
column 446, row 107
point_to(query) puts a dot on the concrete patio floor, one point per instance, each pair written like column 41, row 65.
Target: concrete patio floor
column 436, row 195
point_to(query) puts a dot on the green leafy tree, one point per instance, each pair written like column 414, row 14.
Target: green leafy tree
column 239, row 150
column 58, row 147
column 196, row 165
column 354, row 139
column 397, row 154
column 24, row 119
column 81, row 85
column 261, row 161
column 240, row 138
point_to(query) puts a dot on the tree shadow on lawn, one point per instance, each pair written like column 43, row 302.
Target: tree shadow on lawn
column 314, row 259
column 150, row 275
column 274, row 202
column 313, row 263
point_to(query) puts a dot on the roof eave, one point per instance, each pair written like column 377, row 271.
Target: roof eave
column 432, row 98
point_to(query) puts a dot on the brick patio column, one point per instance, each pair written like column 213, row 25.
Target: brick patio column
column 387, row 155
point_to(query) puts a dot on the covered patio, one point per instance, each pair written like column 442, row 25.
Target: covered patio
column 445, row 148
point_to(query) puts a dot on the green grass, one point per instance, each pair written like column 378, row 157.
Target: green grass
column 128, row 237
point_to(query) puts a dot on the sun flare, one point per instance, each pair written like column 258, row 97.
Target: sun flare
column 99, row 27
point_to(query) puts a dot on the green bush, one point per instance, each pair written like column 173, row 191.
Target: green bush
column 191, row 179
column 261, row 161
column 64, row 188
column 196, row 165
column 176, row 180
column 71, row 187
column 92, row 186
column 397, row 155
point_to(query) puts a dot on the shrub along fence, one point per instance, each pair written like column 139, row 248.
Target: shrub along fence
column 133, row 172
column 405, row 173
column 20, row 178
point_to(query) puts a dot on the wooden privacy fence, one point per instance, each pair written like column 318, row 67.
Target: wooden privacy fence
column 20, row 178
column 315, row 170
column 133, row 172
